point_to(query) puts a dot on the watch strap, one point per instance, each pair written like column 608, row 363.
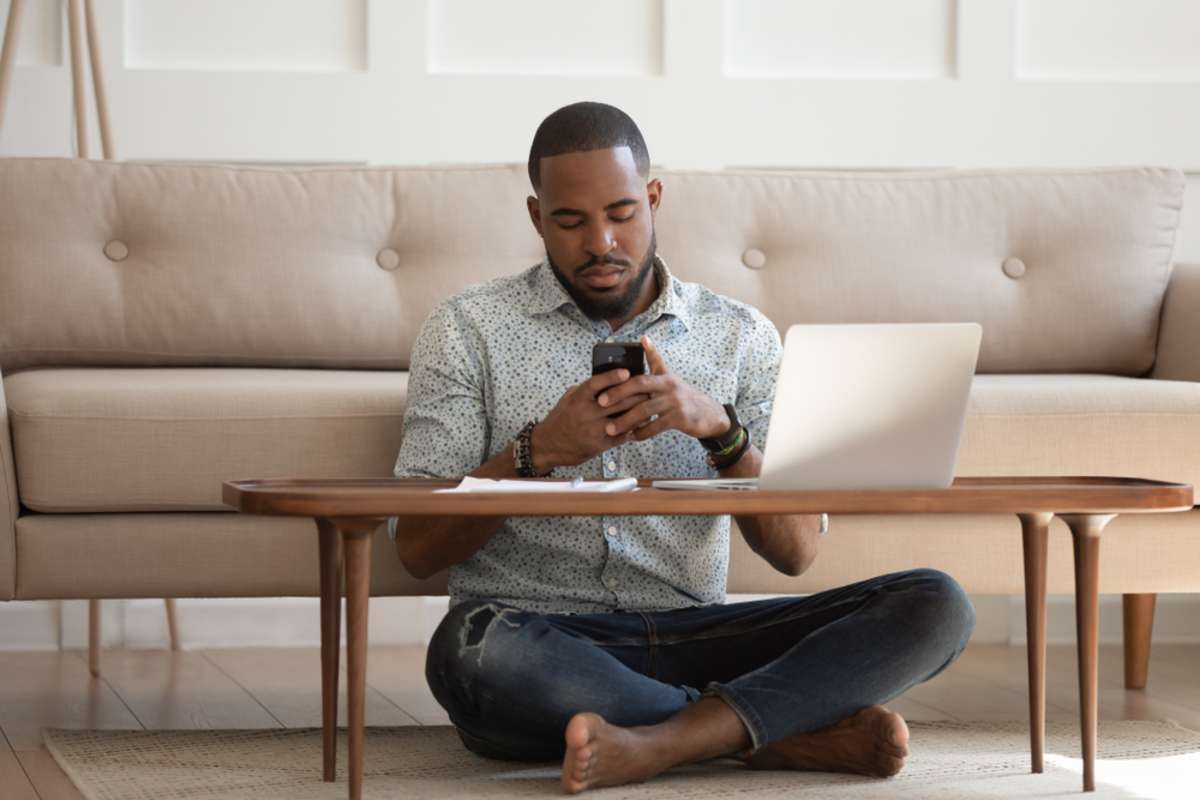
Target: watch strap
column 726, row 440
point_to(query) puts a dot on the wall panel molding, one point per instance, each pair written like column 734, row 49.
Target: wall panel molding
column 1153, row 41
column 482, row 37
column 265, row 35
column 848, row 39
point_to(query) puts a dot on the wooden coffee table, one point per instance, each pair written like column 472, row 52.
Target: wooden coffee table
column 348, row 511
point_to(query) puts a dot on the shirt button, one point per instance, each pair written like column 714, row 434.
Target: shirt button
column 610, row 581
column 611, row 466
column 612, row 530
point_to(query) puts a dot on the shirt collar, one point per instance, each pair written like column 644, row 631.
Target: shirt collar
column 549, row 295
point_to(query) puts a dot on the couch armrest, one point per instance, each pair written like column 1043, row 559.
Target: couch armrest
column 9, row 506
column 1179, row 330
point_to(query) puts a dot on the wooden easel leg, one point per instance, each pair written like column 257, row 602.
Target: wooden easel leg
column 98, row 85
column 8, row 53
column 75, row 27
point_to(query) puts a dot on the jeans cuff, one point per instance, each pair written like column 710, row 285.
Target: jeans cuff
column 754, row 725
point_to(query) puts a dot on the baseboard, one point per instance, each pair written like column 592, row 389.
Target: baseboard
column 293, row 621
column 1176, row 619
column 202, row 623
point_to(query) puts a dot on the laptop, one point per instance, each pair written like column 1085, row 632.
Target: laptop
column 878, row 406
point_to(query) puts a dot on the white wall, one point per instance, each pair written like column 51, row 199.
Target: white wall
column 713, row 83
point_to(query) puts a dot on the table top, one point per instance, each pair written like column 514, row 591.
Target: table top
column 385, row 497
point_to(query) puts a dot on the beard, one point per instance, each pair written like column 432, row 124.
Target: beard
column 606, row 308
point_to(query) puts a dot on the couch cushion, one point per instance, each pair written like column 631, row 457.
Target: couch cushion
column 125, row 264
column 161, row 439
column 188, row 555
column 1082, row 425
column 165, row 439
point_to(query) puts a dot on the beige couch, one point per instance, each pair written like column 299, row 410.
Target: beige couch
column 165, row 328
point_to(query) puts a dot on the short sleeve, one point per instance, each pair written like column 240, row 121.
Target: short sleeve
column 758, row 373
column 445, row 423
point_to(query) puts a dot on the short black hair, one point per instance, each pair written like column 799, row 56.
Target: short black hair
column 586, row 126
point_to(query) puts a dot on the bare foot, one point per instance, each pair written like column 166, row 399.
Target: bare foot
column 873, row 741
column 600, row 754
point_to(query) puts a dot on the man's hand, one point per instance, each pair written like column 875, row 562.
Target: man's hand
column 669, row 403
column 575, row 429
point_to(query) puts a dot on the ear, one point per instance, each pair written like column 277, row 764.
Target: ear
column 535, row 213
column 654, row 190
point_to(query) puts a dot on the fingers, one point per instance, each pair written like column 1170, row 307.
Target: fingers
column 637, row 416
column 598, row 383
column 652, row 429
column 639, row 384
column 658, row 365
column 629, row 402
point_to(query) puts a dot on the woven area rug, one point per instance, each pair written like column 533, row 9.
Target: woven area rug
column 948, row 760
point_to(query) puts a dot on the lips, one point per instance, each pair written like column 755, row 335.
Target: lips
column 603, row 278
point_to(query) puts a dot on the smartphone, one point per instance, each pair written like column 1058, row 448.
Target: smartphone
column 618, row 355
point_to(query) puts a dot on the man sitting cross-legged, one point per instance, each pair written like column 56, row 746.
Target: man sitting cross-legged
column 606, row 642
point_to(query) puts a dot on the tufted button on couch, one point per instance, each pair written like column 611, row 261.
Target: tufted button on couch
column 164, row 328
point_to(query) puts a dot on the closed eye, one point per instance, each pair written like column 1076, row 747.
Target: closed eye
column 566, row 227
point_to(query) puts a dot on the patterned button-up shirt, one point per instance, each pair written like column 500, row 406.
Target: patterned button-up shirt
column 501, row 354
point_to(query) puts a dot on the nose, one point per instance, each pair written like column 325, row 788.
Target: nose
column 600, row 240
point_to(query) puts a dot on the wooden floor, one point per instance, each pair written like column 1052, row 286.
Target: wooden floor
column 280, row 688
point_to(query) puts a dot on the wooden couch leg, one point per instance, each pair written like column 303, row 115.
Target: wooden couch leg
column 94, row 637
column 172, row 628
column 1138, row 614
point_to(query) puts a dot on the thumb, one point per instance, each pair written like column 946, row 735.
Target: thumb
column 654, row 359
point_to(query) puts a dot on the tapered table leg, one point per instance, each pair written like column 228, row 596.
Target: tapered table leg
column 1035, row 531
column 1085, row 530
column 331, row 613
column 356, row 550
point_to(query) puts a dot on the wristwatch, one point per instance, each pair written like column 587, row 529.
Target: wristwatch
column 725, row 440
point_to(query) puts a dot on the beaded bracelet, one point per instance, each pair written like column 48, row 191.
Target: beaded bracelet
column 727, row 457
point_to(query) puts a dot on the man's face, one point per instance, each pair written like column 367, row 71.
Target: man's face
column 596, row 216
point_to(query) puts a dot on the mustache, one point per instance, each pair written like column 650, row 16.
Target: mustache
column 595, row 261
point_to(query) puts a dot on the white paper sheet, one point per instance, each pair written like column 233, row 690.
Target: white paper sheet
column 470, row 484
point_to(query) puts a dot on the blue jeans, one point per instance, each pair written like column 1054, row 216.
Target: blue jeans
column 511, row 679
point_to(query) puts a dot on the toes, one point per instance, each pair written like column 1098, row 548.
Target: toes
column 578, row 732
column 889, row 766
